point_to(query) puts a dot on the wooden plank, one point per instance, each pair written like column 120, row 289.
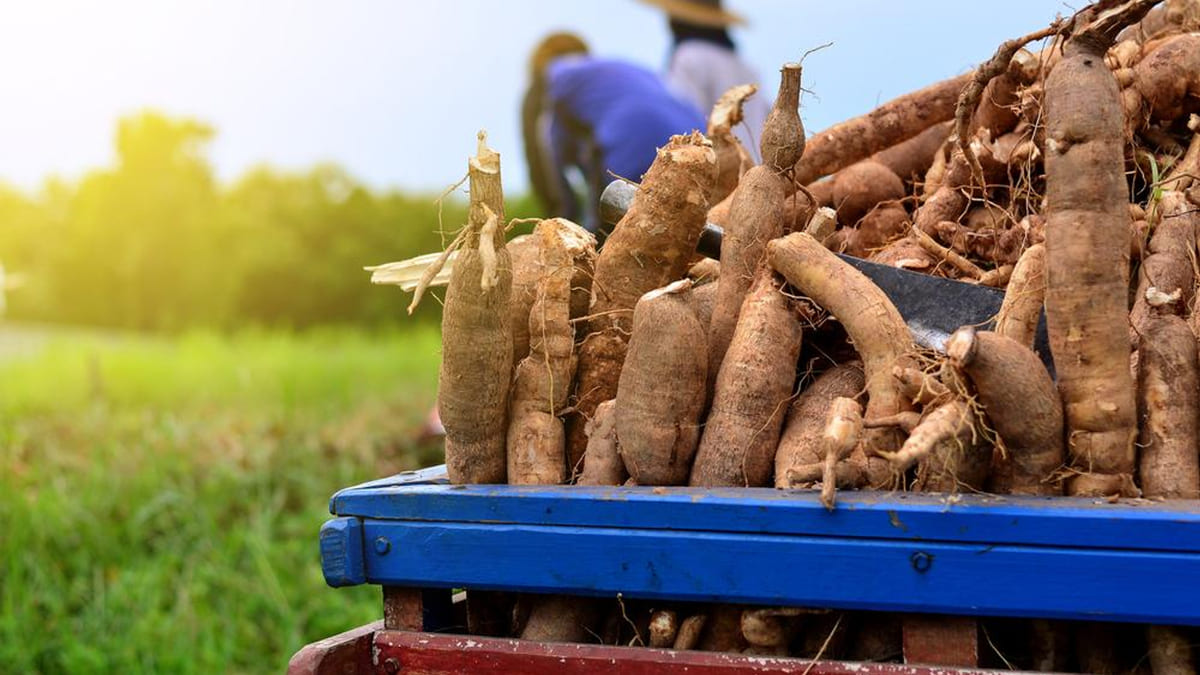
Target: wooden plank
column 429, row 654
column 348, row 653
column 1172, row 525
column 934, row 640
column 842, row 573
column 403, row 608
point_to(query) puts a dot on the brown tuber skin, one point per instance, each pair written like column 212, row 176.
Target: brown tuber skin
column 651, row 247
column 1087, row 263
column 477, row 344
column 661, row 394
column 859, row 188
column 801, row 452
column 1169, row 266
column 602, row 463
column 875, row 230
column 1169, row 402
column 1023, row 298
column 1021, row 403
column 750, row 398
column 542, row 382
column 876, row 328
column 689, row 632
column 523, row 252
column 782, row 142
column 664, row 628
column 1168, row 78
column 897, row 120
column 732, row 159
column 756, row 215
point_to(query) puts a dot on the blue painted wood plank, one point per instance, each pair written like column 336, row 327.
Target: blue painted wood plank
column 1057, row 521
column 836, row 572
column 342, row 552
column 434, row 475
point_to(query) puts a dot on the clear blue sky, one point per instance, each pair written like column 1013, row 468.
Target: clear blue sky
column 395, row 90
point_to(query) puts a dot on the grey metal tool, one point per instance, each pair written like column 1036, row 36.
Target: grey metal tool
column 933, row 307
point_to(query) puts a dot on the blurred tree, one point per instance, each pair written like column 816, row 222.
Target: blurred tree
column 154, row 242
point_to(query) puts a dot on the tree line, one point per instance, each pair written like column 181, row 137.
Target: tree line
column 156, row 242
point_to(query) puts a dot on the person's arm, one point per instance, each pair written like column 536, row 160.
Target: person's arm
column 542, row 178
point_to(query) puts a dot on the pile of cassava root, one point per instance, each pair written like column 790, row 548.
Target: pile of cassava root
column 1065, row 170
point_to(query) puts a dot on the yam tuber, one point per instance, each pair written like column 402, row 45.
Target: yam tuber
column 752, row 391
column 1022, row 306
column 543, row 379
column 1022, row 405
column 661, row 393
column 1169, row 402
column 755, row 215
column 801, row 453
column 602, row 462
column 877, row 329
column 651, row 247
column 1087, row 265
column 476, row 324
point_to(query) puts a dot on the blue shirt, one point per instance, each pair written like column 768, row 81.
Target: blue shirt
column 610, row 116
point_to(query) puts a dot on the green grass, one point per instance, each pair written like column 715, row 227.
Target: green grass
column 160, row 499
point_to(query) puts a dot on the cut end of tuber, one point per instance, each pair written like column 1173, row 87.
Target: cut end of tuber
column 961, row 346
column 486, row 159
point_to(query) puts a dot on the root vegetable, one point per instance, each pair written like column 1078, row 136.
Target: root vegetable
column 1022, row 405
column 876, row 328
column 945, row 441
column 651, row 247
column 842, row 429
column 859, row 188
column 770, row 627
column 880, row 226
column 703, row 299
column 1022, row 306
column 543, row 379
column 755, row 216
column 897, row 120
column 1169, row 267
column 1087, row 263
column 1169, row 402
column 752, row 390
column 800, row 452
column 732, row 159
column 723, row 630
column 1168, row 78
column 822, row 224
column 477, row 345
column 661, row 393
column 783, row 142
column 905, row 253
column 664, row 626
column 523, row 252
column 602, row 462
column 561, row 618
column 689, row 633
column 1170, row 651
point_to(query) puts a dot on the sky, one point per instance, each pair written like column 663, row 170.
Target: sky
column 394, row 91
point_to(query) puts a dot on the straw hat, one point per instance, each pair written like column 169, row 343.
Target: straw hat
column 553, row 46
column 700, row 12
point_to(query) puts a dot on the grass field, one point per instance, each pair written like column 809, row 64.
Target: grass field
column 160, row 498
